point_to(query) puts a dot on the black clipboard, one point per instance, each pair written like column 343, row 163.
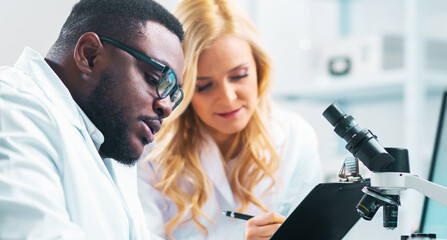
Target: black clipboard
column 327, row 213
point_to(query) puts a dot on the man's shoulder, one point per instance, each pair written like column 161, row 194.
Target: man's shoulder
column 21, row 98
column 8, row 72
column 14, row 78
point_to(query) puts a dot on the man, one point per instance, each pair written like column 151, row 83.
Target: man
column 100, row 94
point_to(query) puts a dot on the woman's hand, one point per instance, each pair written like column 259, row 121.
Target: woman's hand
column 263, row 226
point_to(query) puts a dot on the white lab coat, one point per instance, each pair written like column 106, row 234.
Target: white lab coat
column 299, row 172
column 53, row 182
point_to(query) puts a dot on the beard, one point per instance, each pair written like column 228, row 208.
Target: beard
column 106, row 111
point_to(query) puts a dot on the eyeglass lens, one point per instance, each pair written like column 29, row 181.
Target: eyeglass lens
column 168, row 87
column 176, row 96
column 167, row 84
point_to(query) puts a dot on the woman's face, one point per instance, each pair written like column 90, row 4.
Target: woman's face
column 226, row 90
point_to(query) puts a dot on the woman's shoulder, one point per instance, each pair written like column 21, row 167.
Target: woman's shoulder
column 290, row 128
column 146, row 168
column 289, row 121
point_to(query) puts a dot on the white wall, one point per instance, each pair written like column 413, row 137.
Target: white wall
column 35, row 24
column 30, row 23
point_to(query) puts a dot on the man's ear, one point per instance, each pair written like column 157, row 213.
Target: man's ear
column 88, row 47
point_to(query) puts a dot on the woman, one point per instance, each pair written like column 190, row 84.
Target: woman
column 227, row 148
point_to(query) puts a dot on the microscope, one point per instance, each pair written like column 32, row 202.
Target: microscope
column 389, row 166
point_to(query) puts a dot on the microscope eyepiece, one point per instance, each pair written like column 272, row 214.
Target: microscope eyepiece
column 333, row 113
column 362, row 143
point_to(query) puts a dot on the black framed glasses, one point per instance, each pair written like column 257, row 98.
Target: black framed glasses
column 167, row 84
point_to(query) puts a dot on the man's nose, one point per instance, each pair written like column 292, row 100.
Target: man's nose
column 163, row 107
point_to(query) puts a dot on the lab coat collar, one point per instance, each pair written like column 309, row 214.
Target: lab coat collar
column 213, row 166
column 96, row 135
column 33, row 65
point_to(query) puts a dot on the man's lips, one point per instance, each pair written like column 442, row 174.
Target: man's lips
column 152, row 127
column 229, row 114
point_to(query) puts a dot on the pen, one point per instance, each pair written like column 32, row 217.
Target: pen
column 236, row 215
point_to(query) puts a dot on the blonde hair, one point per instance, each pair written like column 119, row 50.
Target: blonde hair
column 178, row 142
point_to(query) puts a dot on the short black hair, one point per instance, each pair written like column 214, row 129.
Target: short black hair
column 118, row 19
